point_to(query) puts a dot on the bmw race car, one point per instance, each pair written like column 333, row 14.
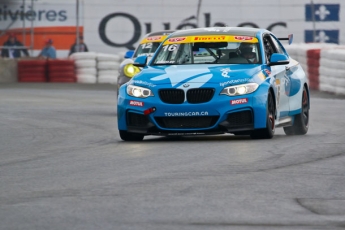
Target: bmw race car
column 148, row 45
column 213, row 81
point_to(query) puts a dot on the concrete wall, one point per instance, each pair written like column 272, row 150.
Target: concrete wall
column 8, row 70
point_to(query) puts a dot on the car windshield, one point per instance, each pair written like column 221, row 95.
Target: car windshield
column 209, row 49
column 147, row 49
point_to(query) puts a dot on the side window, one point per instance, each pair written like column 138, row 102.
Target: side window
column 277, row 45
column 269, row 47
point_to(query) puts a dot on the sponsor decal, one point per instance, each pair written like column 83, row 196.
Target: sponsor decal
column 225, row 72
column 243, row 38
column 262, row 76
column 233, row 82
column 239, row 101
column 10, row 13
column 136, row 103
column 166, row 62
column 209, row 38
column 140, row 82
column 185, row 134
column 155, row 38
column 212, row 29
column 185, row 114
column 178, row 39
column 147, row 54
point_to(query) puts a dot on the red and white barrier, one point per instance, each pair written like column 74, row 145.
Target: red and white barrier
column 32, row 71
column 323, row 64
column 61, row 71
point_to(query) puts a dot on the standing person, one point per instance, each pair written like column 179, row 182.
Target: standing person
column 48, row 51
column 14, row 48
column 81, row 48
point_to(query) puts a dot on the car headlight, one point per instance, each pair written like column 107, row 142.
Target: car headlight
column 137, row 91
column 240, row 89
column 130, row 70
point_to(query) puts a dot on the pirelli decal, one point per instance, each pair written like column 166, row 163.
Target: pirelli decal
column 210, row 38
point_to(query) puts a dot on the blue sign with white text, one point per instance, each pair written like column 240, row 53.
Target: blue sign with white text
column 322, row 36
column 322, row 12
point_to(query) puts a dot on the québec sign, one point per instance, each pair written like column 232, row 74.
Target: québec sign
column 138, row 30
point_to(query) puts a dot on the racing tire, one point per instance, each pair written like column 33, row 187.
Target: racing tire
column 126, row 136
column 268, row 132
column 301, row 123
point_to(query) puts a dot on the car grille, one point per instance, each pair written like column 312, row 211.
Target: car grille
column 187, row 122
column 138, row 120
column 240, row 118
column 172, row 96
column 194, row 96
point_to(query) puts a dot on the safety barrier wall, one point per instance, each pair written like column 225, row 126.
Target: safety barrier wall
column 323, row 63
column 86, row 67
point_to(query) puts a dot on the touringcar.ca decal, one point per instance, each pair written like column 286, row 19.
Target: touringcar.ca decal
column 186, row 114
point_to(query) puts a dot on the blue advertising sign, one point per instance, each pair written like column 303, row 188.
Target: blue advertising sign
column 322, row 36
column 322, row 12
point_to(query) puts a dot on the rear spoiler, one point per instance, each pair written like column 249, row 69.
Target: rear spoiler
column 289, row 38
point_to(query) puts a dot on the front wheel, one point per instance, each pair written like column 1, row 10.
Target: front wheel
column 301, row 122
column 268, row 132
column 126, row 136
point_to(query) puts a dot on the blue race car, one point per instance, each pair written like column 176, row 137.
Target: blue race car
column 213, row 81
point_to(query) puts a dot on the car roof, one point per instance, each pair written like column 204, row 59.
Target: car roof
column 161, row 32
column 243, row 31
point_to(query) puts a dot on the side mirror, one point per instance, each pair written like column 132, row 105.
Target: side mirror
column 279, row 59
column 140, row 61
column 129, row 54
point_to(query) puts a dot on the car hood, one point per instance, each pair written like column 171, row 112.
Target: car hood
column 198, row 75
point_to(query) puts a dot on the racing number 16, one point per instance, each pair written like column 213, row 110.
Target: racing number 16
column 171, row 47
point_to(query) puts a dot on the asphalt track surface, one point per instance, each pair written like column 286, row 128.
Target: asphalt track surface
column 63, row 166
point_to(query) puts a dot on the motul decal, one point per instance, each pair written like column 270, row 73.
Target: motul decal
column 136, row 103
column 239, row 101
column 176, row 39
column 243, row 38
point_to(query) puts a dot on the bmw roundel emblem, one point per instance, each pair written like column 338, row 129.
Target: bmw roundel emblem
column 186, row 85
